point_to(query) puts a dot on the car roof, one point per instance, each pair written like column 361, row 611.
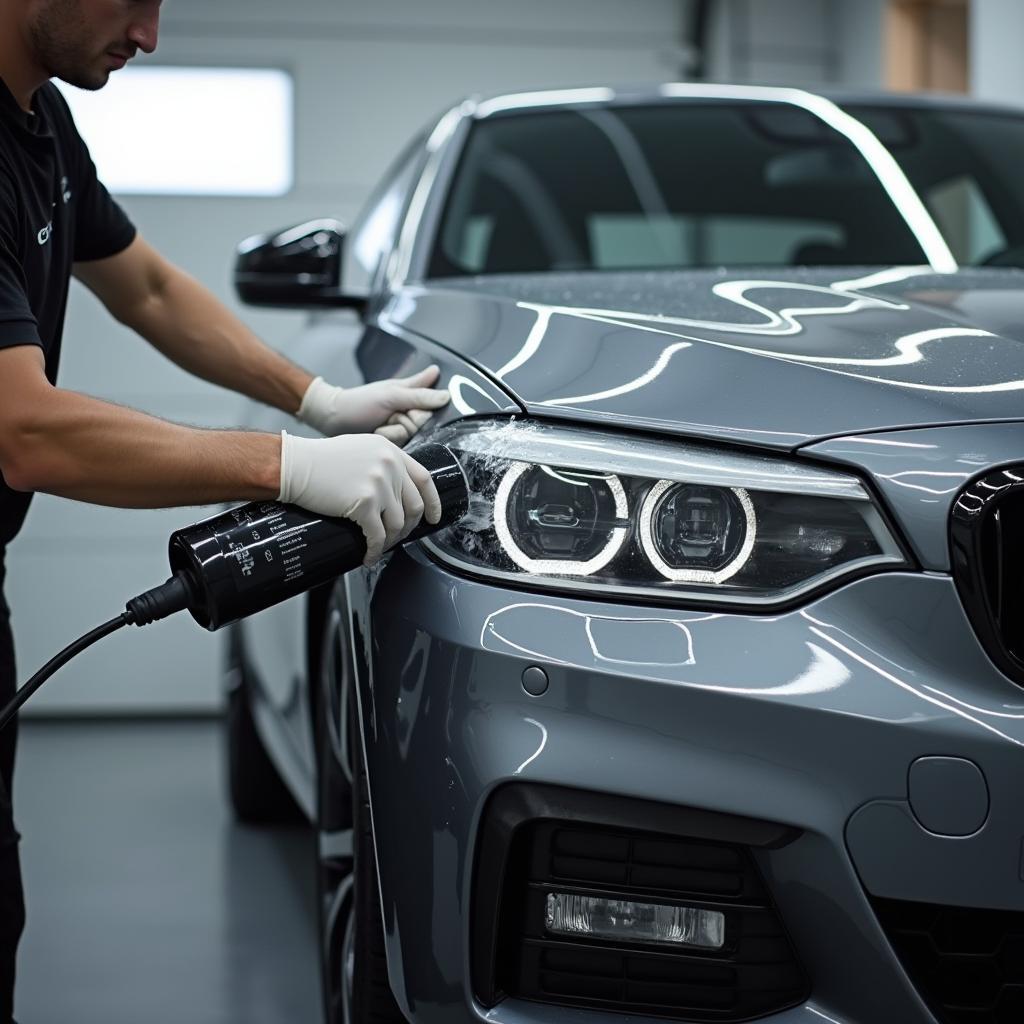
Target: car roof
column 674, row 92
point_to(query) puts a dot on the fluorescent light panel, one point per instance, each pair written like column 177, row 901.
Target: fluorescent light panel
column 190, row 130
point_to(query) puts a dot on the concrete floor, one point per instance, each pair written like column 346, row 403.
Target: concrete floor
column 145, row 901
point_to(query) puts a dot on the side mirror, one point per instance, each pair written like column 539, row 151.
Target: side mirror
column 298, row 267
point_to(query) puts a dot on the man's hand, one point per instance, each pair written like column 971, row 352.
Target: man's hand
column 395, row 408
column 364, row 478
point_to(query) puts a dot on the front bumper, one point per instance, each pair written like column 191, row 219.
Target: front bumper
column 811, row 719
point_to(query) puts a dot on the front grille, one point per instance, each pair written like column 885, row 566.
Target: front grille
column 537, row 840
column 967, row 964
column 986, row 532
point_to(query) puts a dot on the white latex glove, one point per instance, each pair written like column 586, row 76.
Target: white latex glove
column 362, row 477
column 403, row 425
column 387, row 404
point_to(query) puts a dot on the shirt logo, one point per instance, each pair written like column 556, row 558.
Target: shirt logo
column 44, row 234
column 65, row 191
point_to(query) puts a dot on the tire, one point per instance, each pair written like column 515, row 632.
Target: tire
column 352, row 954
column 257, row 794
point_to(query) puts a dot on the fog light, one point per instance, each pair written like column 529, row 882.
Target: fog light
column 600, row 918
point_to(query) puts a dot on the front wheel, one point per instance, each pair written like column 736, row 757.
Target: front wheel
column 353, row 961
column 258, row 795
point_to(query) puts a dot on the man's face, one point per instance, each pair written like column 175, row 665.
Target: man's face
column 82, row 41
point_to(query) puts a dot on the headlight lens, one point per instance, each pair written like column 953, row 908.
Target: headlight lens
column 560, row 520
column 695, row 534
column 580, row 509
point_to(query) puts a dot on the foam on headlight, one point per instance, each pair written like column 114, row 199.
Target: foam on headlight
column 786, row 518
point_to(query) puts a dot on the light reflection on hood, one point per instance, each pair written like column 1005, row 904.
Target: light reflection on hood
column 785, row 322
column 778, row 360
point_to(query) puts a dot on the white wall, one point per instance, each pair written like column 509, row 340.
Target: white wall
column 367, row 75
column 860, row 28
column 816, row 43
column 996, row 29
column 791, row 42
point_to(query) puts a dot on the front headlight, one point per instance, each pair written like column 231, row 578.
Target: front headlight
column 571, row 508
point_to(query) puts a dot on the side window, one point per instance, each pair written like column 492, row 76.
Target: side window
column 374, row 232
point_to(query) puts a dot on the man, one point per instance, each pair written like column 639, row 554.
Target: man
column 56, row 218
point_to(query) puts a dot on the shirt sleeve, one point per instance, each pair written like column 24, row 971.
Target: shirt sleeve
column 17, row 324
column 102, row 228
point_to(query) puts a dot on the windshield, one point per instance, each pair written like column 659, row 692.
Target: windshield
column 725, row 184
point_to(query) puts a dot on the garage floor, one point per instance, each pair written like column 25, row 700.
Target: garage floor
column 145, row 901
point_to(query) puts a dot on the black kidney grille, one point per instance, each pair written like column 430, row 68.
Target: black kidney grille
column 967, row 964
column 986, row 533
column 756, row 973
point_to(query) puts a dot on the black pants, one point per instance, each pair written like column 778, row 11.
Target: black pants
column 12, row 904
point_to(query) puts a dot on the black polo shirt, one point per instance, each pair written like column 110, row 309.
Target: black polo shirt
column 53, row 212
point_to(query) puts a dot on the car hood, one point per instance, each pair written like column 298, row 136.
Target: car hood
column 777, row 358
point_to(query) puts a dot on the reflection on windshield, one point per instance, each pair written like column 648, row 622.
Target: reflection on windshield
column 732, row 176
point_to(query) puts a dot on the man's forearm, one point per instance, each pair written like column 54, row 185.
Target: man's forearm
column 190, row 326
column 82, row 448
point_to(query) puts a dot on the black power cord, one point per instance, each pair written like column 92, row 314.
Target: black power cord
column 170, row 597
column 59, row 660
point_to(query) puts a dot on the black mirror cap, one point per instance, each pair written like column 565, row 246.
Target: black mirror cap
column 298, row 268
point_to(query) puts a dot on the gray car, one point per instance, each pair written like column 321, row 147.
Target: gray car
column 712, row 708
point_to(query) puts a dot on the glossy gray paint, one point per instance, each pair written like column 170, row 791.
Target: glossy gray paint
column 685, row 708
column 948, row 795
column 779, row 359
column 920, row 473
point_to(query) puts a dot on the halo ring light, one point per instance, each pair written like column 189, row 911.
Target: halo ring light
column 677, row 575
column 551, row 566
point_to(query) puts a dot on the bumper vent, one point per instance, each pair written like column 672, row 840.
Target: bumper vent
column 753, row 974
column 986, row 533
column 591, row 857
column 967, row 964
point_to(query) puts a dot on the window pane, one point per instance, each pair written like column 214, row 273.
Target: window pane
column 674, row 185
column 372, row 236
column 190, row 131
column 966, row 164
